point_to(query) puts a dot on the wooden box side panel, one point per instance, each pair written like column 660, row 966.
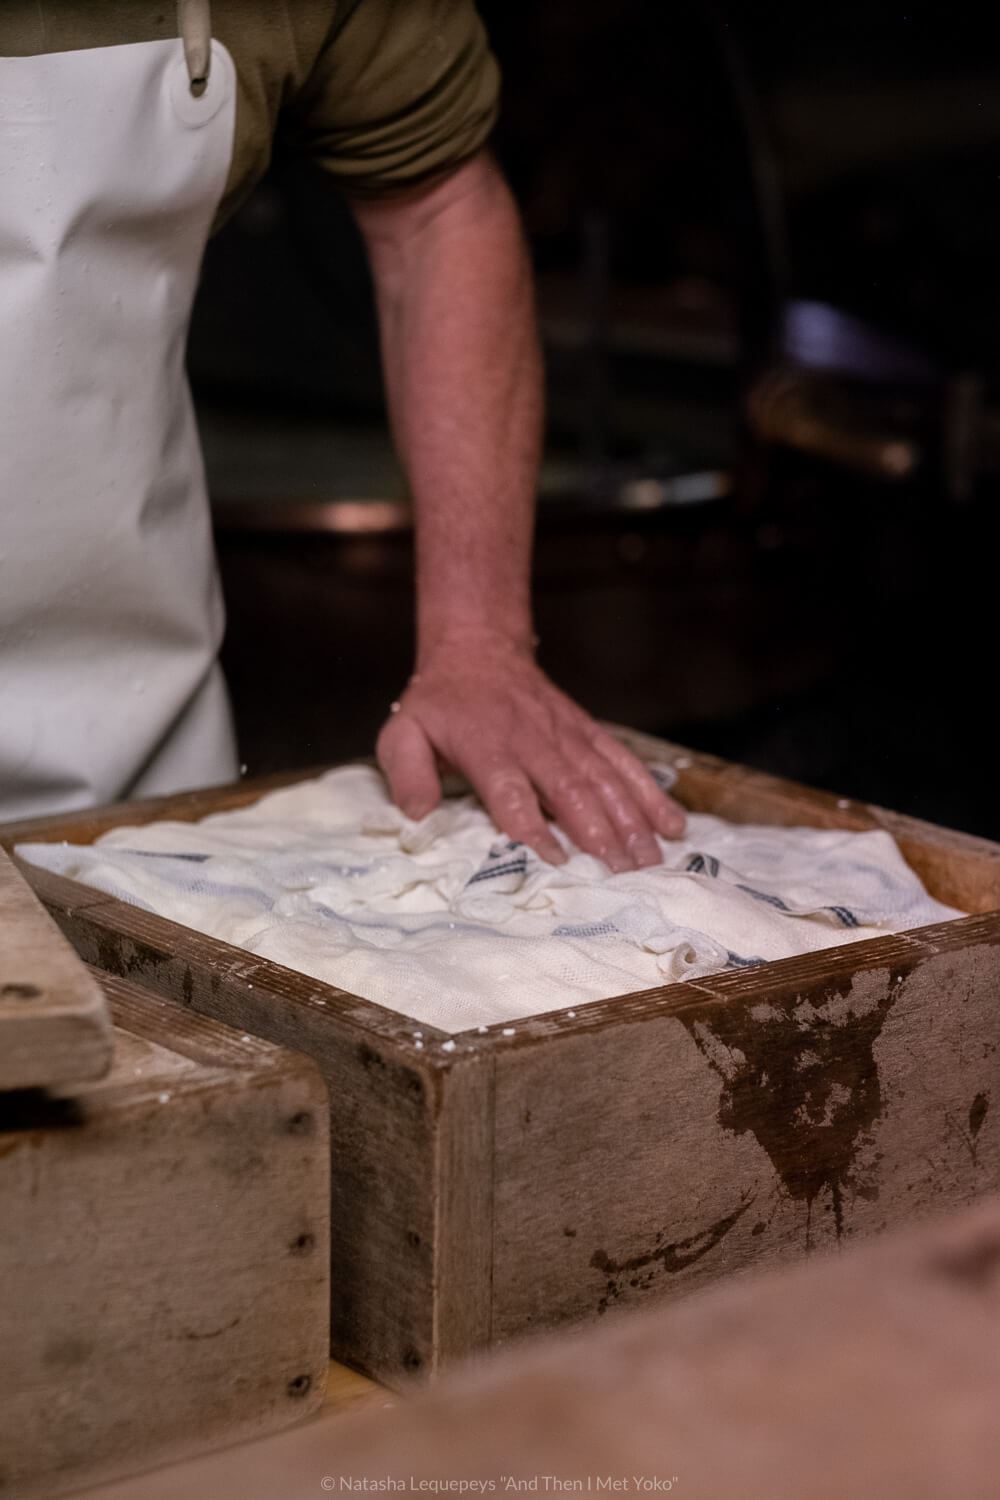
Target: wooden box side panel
column 747, row 1121
column 163, row 1287
column 409, row 1133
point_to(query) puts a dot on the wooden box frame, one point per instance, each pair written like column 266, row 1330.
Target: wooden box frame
column 551, row 1168
column 164, row 1282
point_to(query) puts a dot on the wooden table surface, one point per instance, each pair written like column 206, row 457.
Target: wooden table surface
column 346, row 1390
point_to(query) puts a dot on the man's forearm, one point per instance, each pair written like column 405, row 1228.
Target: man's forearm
column 464, row 379
column 465, row 391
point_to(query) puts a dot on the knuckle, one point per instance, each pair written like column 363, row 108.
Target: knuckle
column 569, row 788
column 626, row 815
column 509, row 790
column 617, row 801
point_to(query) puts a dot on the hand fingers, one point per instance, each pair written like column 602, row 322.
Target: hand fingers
column 511, row 802
column 407, row 758
column 586, row 797
column 582, row 808
column 665, row 815
column 628, row 819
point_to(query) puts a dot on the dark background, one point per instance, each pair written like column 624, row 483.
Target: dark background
column 766, row 246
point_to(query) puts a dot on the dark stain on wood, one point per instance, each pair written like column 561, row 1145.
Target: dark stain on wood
column 799, row 1073
column 640, row 1271
column 213, row 1333
column 978, row 1112
column 67, row 1352
column 127, row 957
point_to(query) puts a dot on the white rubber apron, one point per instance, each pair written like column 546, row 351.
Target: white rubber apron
column 110, row 611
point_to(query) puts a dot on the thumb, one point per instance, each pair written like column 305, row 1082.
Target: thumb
column 407, row 757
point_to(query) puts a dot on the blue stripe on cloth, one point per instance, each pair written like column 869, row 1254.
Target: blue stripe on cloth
column 594, row 929
column 516, row 867
column 774, row 901
column 195, row 859
column 844, row 916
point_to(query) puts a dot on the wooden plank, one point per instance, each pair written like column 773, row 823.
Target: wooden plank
column 164, row 1285
column 872, row 1373
column 463, row 1280
column 54, row 1022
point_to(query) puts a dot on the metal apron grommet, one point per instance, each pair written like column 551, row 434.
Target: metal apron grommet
column 194, row 109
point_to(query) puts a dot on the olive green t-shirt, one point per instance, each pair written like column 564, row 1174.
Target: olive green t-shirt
column 382, row 93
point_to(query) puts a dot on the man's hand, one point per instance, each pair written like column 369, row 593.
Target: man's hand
column 485, row 709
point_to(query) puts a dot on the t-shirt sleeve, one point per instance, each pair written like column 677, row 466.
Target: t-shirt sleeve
column 401, row 90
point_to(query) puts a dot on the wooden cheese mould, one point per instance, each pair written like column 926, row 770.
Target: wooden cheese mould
column 164, row 1279
column 548, row 1170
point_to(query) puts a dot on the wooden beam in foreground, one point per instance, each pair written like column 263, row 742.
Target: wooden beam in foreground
column 874, row 1372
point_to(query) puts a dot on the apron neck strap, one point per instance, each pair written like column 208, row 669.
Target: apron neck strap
column 194, row 22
